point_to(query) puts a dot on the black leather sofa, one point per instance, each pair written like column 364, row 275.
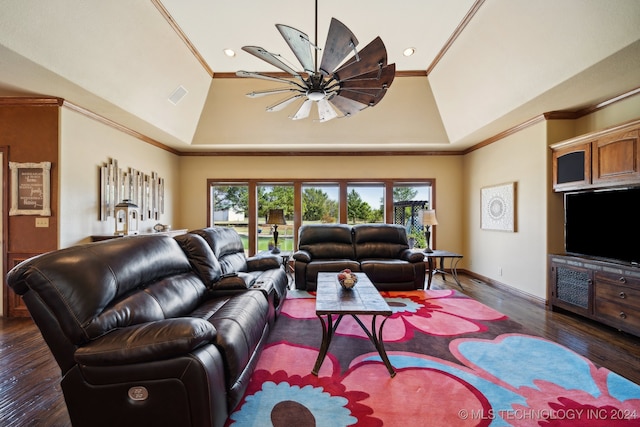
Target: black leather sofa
column 381, row 251
column 152, row 330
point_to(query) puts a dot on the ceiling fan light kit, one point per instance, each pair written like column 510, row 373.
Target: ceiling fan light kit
column 359, row 83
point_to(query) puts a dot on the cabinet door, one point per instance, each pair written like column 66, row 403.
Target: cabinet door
column 572, row 167
column 616, row 158
column 572, row 288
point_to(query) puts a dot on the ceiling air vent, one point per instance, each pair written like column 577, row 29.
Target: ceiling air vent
column 177, row 95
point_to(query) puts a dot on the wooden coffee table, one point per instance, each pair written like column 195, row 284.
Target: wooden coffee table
column 362, row 299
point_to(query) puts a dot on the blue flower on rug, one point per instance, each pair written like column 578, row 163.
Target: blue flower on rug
column 276, row 401
column 529, row 380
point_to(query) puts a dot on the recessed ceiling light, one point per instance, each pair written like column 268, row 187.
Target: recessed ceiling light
column 230, row 53
column 409, row 51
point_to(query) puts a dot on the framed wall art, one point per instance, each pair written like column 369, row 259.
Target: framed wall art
column 30, row 188
column 498, row 207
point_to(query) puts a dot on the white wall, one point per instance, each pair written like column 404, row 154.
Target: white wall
column 85, row 145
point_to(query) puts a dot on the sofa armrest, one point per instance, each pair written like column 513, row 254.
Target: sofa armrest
column 412, row 256
column 146, row 342
column 303, row 256
column 263, row 263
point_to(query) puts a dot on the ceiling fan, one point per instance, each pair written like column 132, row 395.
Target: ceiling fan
column 359, row 83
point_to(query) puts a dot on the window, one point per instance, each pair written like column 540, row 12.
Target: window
column 409, row 200
column 245, row 205
column 365, row 203
column 229, row 207
column 277, row 196
column 320, row 203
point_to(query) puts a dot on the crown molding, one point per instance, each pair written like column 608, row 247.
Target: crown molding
column 552, row 115
column 17, row 101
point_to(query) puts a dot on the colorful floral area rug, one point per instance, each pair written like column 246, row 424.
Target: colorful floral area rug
column 458, row 363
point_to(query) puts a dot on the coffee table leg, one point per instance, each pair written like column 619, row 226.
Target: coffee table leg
column 328, row 329
column 379, row 343
column 376, row 339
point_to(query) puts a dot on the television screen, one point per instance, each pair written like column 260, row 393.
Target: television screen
column 604, row 224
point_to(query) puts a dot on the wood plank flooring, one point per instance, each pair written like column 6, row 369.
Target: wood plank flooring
column 30, row 393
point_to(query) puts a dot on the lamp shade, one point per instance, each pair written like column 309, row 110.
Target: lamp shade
column 429, row 217
column 276, row 217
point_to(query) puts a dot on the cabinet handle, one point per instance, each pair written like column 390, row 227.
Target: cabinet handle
column 623, row 315
column 622, row 295
column 622, row 280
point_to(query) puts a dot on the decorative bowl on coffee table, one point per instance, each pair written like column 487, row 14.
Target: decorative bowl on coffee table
column 347, row 279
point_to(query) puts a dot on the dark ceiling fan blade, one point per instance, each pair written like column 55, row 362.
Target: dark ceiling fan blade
column 270, row 58
column 250, row 74
column 281, row 104
column 372, row 57
column 326, row 111
column 340, row 42
column 300, row 45
column 303, row 111
column 347, row 107
column 368, row 97
column 374, row 79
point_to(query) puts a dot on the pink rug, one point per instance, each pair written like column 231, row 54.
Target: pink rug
column 458, row 363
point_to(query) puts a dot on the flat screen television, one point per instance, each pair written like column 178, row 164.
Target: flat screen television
column 604, row 224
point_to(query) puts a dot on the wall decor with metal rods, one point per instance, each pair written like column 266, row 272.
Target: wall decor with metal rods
column 118, row 184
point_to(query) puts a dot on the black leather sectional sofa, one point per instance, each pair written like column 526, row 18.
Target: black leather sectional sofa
column 153, row 330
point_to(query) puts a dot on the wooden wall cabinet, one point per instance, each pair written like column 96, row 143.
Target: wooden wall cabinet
column 603, row 291
column 603, row 159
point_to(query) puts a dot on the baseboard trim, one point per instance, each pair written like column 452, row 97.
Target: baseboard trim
column 507, row 288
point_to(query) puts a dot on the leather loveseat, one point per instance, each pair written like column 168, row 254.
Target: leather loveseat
column 381, row 251
column 146, row 333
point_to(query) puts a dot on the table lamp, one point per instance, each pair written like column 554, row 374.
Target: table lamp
column 428, row 219
column 275, row 217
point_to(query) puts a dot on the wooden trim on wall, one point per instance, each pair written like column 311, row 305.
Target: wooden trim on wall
column 27, row 101
column 5, row 226
column 118, row 126
column 165, row 13
column 553, row 115
column 465, row 21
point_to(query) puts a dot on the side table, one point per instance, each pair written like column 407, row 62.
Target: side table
column 455, row 259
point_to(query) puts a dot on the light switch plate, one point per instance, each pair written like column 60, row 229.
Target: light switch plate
column 42, row 222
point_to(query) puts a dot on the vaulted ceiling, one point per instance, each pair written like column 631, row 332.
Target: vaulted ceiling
column 480, row 67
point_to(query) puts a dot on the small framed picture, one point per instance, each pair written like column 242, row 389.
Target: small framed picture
column 498, row 207
column 30, row 188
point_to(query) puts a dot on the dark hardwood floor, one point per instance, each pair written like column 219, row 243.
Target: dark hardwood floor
column 30, row 393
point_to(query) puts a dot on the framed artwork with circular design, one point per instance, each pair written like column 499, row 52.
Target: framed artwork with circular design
column 498, row 207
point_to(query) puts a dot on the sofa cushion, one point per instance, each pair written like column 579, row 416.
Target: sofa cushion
column 388, row 270
column 326, row 241
column 242, row 321
column 173, row 296
column 234, row 281
column 109, row 271
column 201, row 257
column 379, row 241
column 227, row 247
column 140, row 343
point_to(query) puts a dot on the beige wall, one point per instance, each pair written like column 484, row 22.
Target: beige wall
column 446, row 170
column 520, row 259
column 523, row 157
column 514, row 258
column 85, row 145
